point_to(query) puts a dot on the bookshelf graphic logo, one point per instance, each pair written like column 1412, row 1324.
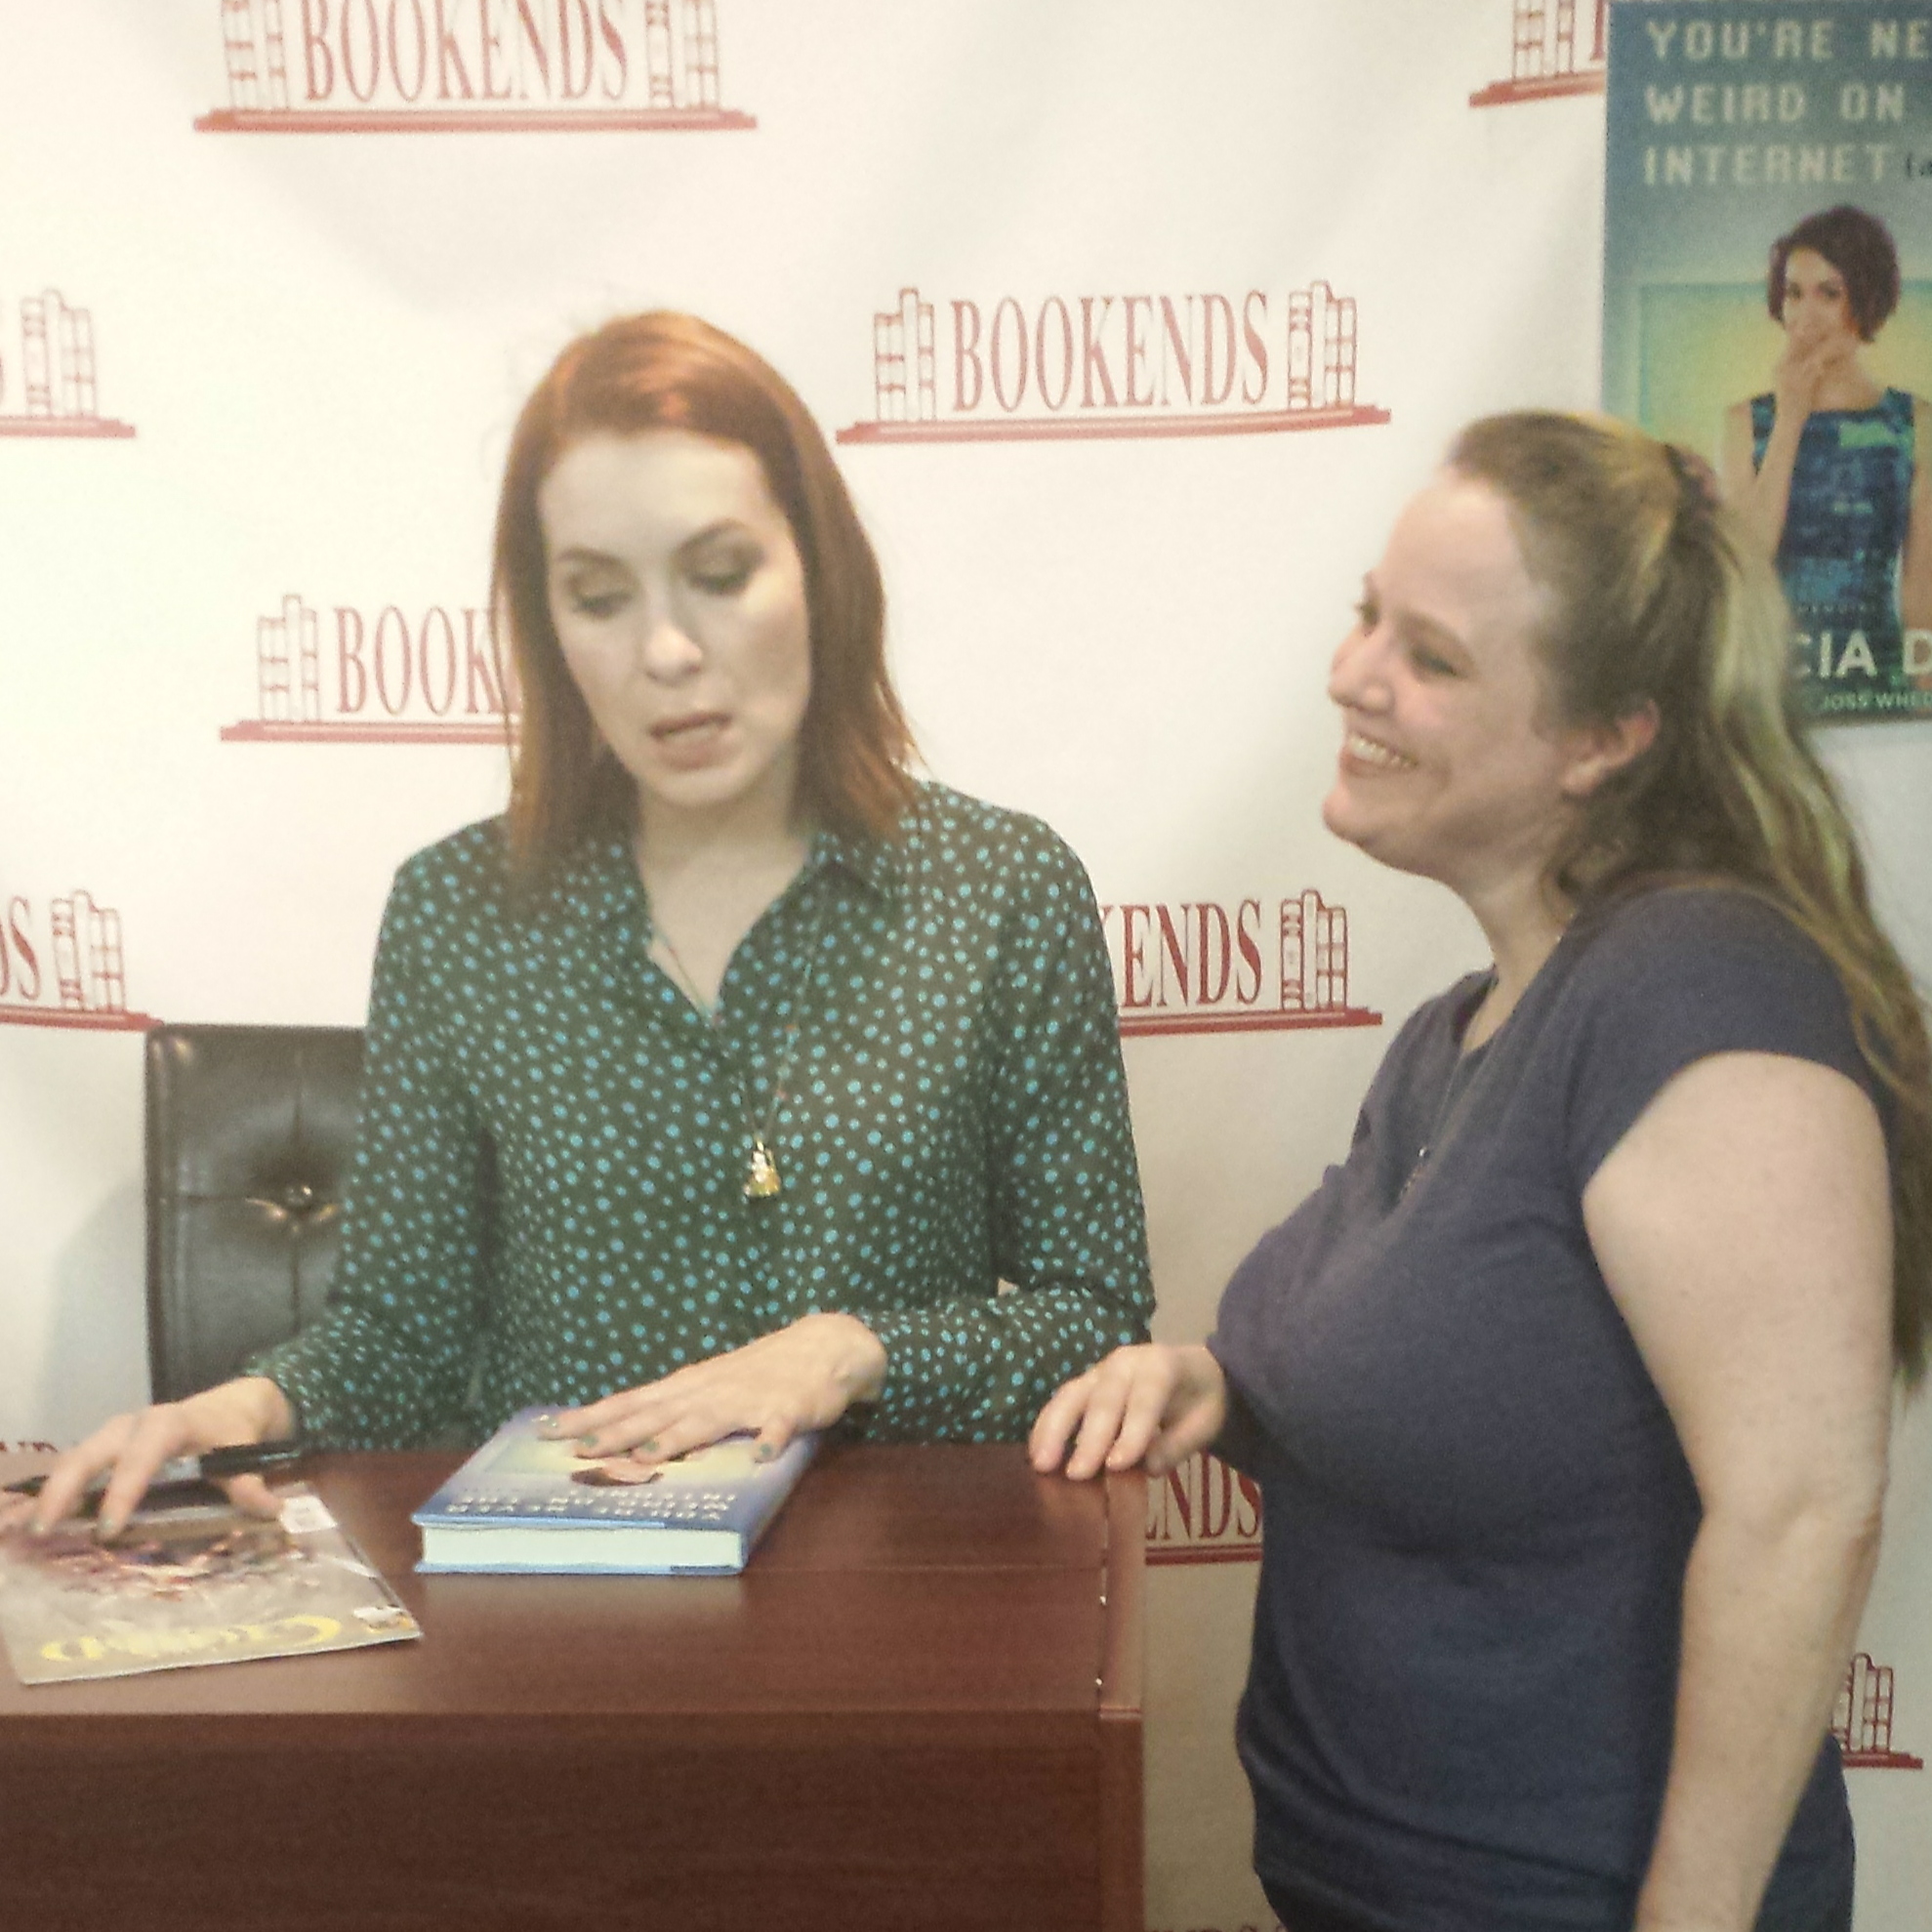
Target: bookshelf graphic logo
column 1861, row 1720
column 1202, row 966
column 1546, row 53
column 1202, row 1511
column 47, row 382
column 1113, row 365
column 386, row 680
column 458, row 67
column 69, row 971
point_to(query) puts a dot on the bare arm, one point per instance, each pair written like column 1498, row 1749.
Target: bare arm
column 1736, row 470
column 1744, row 1227
column 1761, row 492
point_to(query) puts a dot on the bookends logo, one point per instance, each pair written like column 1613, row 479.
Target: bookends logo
column 1114, row 365
column 387, row 679
column 1861, row 1720
column 49, row 390
column 1203, row 1511
column 455, row 66
column 1202, row 966
column 87, row 986
column 1545, row 54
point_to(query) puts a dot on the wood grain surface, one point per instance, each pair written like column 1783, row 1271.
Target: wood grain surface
column 920, row 1707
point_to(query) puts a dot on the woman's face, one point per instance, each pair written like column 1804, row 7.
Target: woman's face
column 679, row 600
column 1448, row 767
column 1817, row 309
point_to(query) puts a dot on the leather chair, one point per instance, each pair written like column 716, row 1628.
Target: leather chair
column 250, row 1130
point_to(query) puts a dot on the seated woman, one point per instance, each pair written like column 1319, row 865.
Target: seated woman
column 1569, row 1389
column 732, row 1077
column 1825, row 467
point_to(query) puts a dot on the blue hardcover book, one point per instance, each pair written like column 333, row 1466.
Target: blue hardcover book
column 525, row 1503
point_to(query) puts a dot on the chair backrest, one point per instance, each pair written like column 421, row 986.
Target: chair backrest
column 248, row 1135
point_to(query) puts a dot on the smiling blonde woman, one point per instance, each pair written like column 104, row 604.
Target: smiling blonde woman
column 1569, row 1389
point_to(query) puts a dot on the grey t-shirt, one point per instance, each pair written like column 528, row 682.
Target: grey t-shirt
column 1477, row 1513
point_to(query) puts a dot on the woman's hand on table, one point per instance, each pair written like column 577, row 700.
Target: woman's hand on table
column 1153, row 1405
column 132, row 1449
column 799, row 1377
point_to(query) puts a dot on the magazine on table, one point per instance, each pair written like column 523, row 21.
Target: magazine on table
column 179, row 1587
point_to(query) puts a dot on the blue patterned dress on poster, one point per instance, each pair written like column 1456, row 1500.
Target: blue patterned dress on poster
column 1844, row 527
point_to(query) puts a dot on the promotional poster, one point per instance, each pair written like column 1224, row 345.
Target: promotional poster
column 1768, row 217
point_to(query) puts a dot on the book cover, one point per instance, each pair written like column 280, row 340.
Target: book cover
column 1768, row 302
column 525, row 1503
column 186, row 1586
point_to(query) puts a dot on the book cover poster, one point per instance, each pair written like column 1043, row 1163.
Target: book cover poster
column 186, row 1586
column 1768, row 302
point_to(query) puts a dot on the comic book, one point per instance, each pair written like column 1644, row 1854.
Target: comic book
column 201, row 1585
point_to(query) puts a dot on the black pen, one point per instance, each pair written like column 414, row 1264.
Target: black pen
column 185, row 1475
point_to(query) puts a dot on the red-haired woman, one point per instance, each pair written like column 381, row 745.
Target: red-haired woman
column 734, row 1079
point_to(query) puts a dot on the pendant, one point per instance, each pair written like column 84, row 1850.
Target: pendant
column 762, row 1181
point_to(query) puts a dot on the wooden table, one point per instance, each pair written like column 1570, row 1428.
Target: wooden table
column 919, row 1708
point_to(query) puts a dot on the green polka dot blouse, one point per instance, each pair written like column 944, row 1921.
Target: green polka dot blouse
column 548, row 1203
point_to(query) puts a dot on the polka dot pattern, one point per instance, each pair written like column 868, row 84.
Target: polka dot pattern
column 547, row 1203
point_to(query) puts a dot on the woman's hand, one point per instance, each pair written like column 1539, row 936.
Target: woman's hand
column 134, row 1445
column 1154, row 1405
column 1800, row 375
column 805, row 1376
column 1758, row 484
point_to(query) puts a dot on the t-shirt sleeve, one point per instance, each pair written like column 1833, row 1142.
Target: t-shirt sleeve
column 1678, row 977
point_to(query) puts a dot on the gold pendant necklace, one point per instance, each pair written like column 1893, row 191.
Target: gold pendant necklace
column 762, row 1176
column 763, row 1181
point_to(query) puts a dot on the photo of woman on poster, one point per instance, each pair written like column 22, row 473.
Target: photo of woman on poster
column 1824, row 468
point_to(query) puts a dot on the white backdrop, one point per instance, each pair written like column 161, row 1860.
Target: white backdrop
column 293, row 317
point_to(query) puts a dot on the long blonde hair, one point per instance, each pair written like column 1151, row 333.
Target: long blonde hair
column 1660, row 599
